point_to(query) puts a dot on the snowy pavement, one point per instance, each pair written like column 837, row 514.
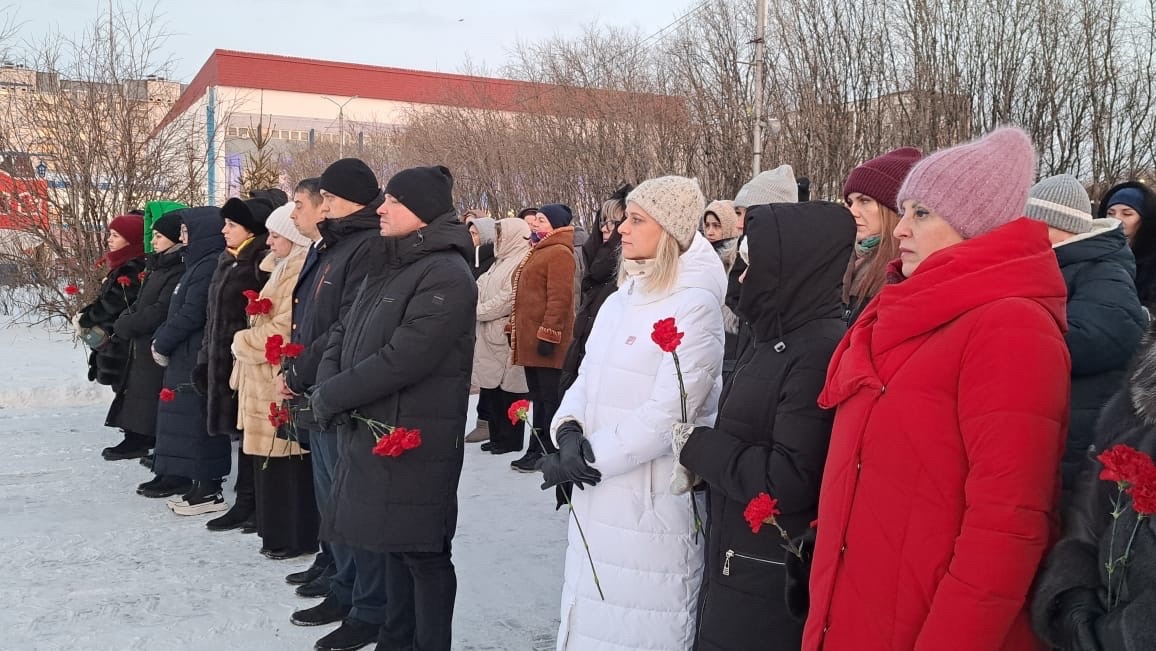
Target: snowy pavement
column 89, row 564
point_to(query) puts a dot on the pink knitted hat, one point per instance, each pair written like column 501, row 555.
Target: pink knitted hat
column 977, row 186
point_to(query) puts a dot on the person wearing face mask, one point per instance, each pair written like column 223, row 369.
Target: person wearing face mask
column 541, row 325
column 285, row 512
column 869, row 193
column 1133, row 204
column 950, row 393
column 137, row 410
column 613, row 431
column 95, row 325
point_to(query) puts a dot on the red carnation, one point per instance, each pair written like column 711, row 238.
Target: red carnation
column 273, row 349
column 761, row 510
column 1144, row 493
column 278, row 415
column 666, row 335
column 71, row 290
column 250, row 294
column 124, row 281
column 141, row 276
column 517, row 412
column 1124, row 464
column 409, row 439
column 167, row 395
column 291, row 351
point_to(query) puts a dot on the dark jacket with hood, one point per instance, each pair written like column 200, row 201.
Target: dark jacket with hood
column 1079, row 559
column 403, row 356
column 1105, row 324
column 771, row 435
column 235, row 273
column 350, row 249
column 1144, row 243
column 600, row 260
column 108, row 363
column 184, row 447
column 135, row 409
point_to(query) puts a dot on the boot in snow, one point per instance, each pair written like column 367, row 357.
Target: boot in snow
column 205, row 498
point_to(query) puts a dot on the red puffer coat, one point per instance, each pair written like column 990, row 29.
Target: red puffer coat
column 937, row 499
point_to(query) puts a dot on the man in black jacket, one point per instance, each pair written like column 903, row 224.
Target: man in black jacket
column 1105, row 318
column 349, row 249
column 402, row 358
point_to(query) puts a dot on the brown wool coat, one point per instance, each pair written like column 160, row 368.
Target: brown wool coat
column 544, row 301
column 253, row 376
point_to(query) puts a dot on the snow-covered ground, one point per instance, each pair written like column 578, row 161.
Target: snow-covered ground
column 88, row 564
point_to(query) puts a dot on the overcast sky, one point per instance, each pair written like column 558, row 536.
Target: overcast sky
column 423, row 34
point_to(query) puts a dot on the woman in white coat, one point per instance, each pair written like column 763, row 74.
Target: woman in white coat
column 614, row 425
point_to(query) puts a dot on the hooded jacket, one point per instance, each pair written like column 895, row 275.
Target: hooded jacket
column 484, row 253
column 492, row 367
column 642, row 537
column 771, row 436
column 937, row 497
column 1080, row 558
column 402, row 355
column 184, row 447
column 1105, row 324
column 1144, row 244
column 350, row 249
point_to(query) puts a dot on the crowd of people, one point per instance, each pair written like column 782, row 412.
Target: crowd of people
column 891, row 421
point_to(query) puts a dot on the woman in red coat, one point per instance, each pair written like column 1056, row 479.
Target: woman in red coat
column 952, row 403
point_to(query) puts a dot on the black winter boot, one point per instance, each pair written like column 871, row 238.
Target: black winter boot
column 204, row 498
column 351, row 635
column 236, row 518
column 134, row 446
column 165, row 486
column 326, row 612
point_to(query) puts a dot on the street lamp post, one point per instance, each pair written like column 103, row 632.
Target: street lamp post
column 340, row 122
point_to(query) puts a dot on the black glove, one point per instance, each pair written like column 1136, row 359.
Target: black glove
column 201, row 379
column 322, row 412
column 572, row 460
column 545, row 348
column 798, row 592
column 1076, row 619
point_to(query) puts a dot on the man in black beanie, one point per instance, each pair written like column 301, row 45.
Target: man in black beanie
column 348, row 251
column 403, row 357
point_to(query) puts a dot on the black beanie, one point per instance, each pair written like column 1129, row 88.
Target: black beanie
column 559, row 214
column 427, row 191
column 351, row 179
column 169, row 225
column 250, row 213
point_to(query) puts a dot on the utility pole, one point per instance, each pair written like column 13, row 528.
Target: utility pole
column 760, row 62
column 340, row 122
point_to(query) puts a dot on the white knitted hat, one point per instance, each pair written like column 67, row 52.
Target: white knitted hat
column 280, row 223
column 772, row 186
column 675, row 202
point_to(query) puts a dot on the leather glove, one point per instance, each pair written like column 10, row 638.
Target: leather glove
column 160, row 359
column 201, row 379
column 1076, row 619
column 545, row 348
column 322, row 412
column 797, row 587
column 681, row 479
column 572, row 460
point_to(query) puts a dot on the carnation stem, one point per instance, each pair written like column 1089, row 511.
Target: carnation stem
column 1116, row 511
column 581, row 533
column 682, row 404
column 1124, row 560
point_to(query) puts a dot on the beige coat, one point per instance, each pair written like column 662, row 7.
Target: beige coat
column 492, row 365
column 252, row 375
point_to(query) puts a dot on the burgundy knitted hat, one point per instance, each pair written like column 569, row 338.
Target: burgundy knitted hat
column 977, row 186
column 880, row 178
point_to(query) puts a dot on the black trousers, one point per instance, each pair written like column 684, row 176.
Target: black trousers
column 286, row 508
column 503, row 433
column 544, row 386
column 246, row 487
column 420, row 589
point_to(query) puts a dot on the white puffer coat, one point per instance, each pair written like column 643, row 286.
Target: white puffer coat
column 626, row 397
column 493, row 367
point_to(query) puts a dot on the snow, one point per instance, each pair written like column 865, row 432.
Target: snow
column 90, row 564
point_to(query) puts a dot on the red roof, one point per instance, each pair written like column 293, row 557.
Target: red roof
column 275, row 72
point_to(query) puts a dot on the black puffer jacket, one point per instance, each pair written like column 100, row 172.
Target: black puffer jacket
column 351, row 248
column 771, row 435
column 1105, row 324
column 598, row 283
column 1144, row 243
column 227, row 301
column 1079, row 559
column 184, row 447
column 135, row 409
column 403, row 355
column 108, row 363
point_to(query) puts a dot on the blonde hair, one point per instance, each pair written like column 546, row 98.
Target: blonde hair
column 664, row 271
